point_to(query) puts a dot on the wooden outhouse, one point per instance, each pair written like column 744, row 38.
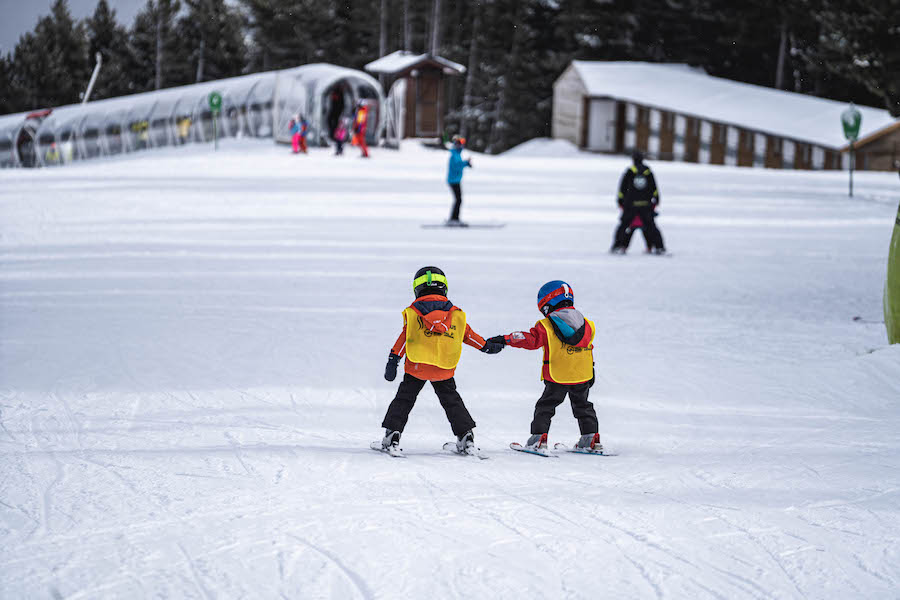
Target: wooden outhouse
column 416, row 84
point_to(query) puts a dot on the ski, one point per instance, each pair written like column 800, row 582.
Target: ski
column 520, row 448
column 476, row 452
column 391, row 450
column 575, row 450
column 462, row 225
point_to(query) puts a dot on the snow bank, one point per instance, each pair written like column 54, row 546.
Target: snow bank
column 544, row 147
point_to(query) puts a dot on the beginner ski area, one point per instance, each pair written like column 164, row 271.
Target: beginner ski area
column 192, row 347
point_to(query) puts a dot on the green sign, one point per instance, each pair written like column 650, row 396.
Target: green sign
column 215, row 102
column 851, row 119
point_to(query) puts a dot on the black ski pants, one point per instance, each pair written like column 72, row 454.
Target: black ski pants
column 652, row 234
column 554, row 395
column 457, row 194
column 400, row 407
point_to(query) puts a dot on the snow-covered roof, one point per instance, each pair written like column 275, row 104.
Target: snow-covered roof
column 401, row 60
column 682, row 89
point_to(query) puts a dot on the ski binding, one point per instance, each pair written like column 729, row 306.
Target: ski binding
column 391, row 450
column 537, row 452
column 473, row 451
column 577, row 450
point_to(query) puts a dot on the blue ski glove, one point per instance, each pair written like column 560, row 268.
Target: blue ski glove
column 390, row 370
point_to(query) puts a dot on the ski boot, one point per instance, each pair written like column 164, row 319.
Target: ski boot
column 391, row 439
column 536, row 444
column 389, row 444
column 589, row 442
column 465, row 444
column 537, row 441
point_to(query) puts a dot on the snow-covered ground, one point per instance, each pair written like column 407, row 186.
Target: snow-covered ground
column 191, row 357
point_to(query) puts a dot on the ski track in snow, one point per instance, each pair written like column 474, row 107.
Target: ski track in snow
column 191, row 350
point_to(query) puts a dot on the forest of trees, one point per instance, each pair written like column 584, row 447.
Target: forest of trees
column 513, row 49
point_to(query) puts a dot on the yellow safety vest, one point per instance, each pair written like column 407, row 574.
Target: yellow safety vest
column 569, row 364
column 432, row 348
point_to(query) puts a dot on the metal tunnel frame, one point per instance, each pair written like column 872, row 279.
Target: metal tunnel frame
column 258, row 105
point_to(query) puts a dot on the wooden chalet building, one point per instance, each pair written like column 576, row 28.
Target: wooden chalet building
column 675, row 112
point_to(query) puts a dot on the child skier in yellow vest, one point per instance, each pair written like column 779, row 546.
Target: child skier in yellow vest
column 434, row 331
column 567, row 339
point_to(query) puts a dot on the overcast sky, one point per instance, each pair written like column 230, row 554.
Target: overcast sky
column 20, row 16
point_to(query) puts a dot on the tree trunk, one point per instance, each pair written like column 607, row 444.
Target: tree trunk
column 383, row 40
column 159, row 47
column 499, row 127
column 436, row 27
column 407, row 32
column 202, row 52
column 782, row 56
column 383, row 37
column 473, row 67
column 453, row 82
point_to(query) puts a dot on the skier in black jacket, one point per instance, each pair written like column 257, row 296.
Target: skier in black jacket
column 638, row 199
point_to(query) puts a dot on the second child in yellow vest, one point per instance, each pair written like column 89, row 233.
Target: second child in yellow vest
column 567, row 339
column 434, row 330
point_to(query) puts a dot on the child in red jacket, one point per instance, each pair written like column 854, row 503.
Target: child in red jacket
column 566, row 337
column 434, row 330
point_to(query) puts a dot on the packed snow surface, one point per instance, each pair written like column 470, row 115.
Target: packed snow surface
column 191, row 356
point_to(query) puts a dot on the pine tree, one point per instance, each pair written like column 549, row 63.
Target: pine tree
column 280, row 33
column 110, row 39
column 860, row 41
column 210, row 42
column 50, row 66
column 8, row 102
column 153, row 44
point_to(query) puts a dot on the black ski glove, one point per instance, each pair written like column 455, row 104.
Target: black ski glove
column 390, row 370
column 498, row 339
column 492, row 347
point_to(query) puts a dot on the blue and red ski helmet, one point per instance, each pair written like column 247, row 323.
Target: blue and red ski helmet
column 554, row 294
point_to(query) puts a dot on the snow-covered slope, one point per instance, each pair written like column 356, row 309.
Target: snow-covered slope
column 191, row 358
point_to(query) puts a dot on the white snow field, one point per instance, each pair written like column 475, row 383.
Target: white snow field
column 192, row 348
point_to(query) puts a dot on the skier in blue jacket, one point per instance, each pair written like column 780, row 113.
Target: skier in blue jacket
column 455, row 175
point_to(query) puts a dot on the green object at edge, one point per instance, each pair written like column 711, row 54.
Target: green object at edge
column 892, row 287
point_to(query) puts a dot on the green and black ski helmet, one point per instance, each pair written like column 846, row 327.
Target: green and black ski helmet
column 429, row 280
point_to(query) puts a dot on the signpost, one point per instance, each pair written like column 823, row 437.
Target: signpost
column 215, row 107
column 851, row 119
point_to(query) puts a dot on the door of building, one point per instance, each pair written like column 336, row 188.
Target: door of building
column 427, row 105
column 602, row 126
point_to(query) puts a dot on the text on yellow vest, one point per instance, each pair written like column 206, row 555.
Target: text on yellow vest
column 569, row 364
column 440, row 349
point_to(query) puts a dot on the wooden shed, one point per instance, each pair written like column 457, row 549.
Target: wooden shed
column 676, row 112
column 879, row 150
column 416, row 84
